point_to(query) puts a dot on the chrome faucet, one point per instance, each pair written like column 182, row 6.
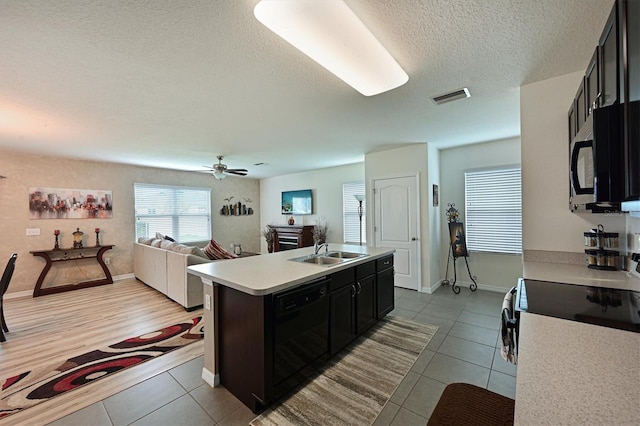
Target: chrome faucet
column 317, row 247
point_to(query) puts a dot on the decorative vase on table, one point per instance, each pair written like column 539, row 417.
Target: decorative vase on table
column 291, row 220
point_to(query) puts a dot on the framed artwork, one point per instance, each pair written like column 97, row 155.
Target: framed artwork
column 60, row 203
column 436, row 196
column 458, row 239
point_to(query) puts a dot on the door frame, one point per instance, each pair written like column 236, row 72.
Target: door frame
column 371, row 218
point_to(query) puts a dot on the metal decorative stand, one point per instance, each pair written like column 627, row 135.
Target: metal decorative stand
column 458, row 249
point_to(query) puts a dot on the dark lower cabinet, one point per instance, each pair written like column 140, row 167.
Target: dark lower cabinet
column 269, row 344
column 342, row 328
column 384, row 287
column 365, row 303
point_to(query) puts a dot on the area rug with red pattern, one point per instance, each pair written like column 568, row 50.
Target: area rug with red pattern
column 40, row 384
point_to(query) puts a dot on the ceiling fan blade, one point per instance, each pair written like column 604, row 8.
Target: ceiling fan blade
column 239, row 172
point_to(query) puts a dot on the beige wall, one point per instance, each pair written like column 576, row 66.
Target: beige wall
column 493, row 271
column 24, row 170
column 326, row 185
column 547, row 222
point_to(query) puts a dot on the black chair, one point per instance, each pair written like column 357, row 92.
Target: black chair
column 4, row 285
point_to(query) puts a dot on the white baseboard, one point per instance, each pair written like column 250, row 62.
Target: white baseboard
column 123, row 277
column 211, row 379
column 496, row 289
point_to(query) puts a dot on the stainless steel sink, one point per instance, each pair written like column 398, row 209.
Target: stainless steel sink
column 330, row 258
column 322, row 260
column 344, row 255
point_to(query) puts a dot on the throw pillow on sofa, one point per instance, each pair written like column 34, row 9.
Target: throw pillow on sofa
column 156, row 242
column 214, row 251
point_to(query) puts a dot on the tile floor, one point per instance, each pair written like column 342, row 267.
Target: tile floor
column 465, row 349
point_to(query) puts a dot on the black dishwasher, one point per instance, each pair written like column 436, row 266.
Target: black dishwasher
column 300, row 334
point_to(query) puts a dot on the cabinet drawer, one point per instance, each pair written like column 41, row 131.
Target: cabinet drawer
column 365, row 270
column 384, row 263
column 341, row 279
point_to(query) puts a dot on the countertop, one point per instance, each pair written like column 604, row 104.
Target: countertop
column 573, row 373
column 580, row 274
column 274, row 272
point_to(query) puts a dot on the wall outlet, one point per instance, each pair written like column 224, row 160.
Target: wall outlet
column 33, row 231
column 207, row 302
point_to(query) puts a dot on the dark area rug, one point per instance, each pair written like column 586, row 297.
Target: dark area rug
column 355, row 384
column 40, row 384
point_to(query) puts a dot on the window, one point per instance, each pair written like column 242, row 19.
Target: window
column 493, row 209
column 180, row 212
column 351, row 224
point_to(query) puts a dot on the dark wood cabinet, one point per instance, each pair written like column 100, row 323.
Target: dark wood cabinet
column 289, row 237
column 630, row 33
column 580, row 107
column 571, row 116
column 385, row 297
column 342, row 328
column 608, row 61
column 592, row 84
column 352, row 304
column 365, row 296
column 253, row 330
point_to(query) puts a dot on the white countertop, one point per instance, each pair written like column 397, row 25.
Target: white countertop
column 571, row 373
column 273, row 272
column 580, row 274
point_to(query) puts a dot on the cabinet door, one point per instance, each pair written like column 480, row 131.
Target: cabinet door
column 571, row 115
column 591, row 84
column 342, row 318
column 581, row 113
column 632, row 14
column 609, row 61
column 385, row 293
column 366, row 303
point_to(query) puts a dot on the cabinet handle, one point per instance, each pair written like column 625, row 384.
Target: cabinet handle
column 386, row 262
column 353, row 291
column 359, row 287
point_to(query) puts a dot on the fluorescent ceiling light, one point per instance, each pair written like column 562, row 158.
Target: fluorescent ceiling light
column 331, row 34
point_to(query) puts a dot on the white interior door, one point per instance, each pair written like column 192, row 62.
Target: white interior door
column 396, row 213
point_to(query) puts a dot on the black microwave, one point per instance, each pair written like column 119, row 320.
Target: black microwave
column 596, row 162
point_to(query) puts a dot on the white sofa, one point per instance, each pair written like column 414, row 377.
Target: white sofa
column 166, row 271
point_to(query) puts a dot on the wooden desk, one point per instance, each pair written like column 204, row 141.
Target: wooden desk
column 64, row 255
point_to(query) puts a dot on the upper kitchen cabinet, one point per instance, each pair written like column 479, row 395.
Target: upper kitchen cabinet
column 630, row 31
column 608, row 61
column 591, row 84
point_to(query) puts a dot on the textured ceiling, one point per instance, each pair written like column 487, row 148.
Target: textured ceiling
column 174, row 83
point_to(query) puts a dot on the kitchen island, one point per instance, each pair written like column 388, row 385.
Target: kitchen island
column 271, row 320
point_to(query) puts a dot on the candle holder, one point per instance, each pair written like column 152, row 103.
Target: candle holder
column 77, row 238
column 97, row 230
column 56, row 232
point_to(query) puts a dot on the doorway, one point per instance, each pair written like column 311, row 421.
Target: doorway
column 396, row 225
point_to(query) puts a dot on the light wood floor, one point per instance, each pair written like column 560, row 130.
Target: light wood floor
column 49, row 329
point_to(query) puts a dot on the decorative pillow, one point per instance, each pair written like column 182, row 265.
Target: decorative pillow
column 214, row 251
column 181, row 248
column 166, row 244
column 159, row 236
column 145, row 240
column 156, row 242
column 168, row 238
column 198, row 252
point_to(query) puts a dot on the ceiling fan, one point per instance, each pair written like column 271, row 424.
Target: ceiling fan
column 220, row 169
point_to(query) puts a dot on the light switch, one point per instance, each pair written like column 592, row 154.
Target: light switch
column 33, row 231
column 207, row 302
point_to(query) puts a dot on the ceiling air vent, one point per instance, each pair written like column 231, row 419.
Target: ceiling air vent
column 452, row 96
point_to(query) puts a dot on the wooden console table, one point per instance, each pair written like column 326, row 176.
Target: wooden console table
column 64, row 255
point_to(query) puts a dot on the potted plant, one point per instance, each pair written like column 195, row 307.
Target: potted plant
column 267, row 233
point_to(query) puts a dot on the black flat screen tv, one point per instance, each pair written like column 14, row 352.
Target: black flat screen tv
column 297, row 202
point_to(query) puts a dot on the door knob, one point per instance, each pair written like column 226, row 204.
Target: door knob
column 413, row 238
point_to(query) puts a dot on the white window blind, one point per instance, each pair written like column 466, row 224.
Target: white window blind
column 179, row 212
column 350, row 217
column 493, row 210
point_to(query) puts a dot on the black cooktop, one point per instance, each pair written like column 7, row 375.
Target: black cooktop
column 594, row 305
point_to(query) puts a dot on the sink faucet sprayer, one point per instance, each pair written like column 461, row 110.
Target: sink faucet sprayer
column 319, row 246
